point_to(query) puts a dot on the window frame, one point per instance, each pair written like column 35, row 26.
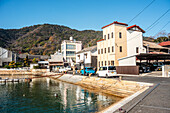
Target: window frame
column 108, row 49
column 120, row 49
column 120, row 34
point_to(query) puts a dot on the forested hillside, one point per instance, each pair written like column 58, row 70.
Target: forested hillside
column 44, row 39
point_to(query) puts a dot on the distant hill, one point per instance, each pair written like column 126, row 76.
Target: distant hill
column 44, row 39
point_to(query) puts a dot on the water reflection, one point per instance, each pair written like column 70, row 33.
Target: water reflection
column 46, row 95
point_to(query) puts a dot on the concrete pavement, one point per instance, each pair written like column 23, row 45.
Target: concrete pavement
column 158, row 101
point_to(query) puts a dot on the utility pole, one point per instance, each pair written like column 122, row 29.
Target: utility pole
column 147, row 48
column 84, row 65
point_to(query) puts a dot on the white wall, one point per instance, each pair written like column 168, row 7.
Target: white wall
column 3, row 53
column 127, row 61
column 134, row 39
column 78, row 47
column 87, row 60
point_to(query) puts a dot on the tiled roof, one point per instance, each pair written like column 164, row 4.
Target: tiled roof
column 100, row 40
column 115, row 22
column 167, row 43
column 135, row 26
column 155, row 52
column 88, row 49
column 153, row 45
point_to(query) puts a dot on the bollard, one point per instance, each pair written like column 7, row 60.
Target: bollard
column 120, row 78
column 90, row 74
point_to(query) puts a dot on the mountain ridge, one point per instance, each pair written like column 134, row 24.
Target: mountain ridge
column 44, row 39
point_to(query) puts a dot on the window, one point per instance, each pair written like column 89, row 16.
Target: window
column 105, row 37
column 85, row 55
column 120, row 48
column 120, row 35
column 109, row 63
column 111, row 68
column 112, row 63
column 70, row 53
column 112, row 34
column 101, row 51
column 102, row 63
column 105, row 50
column 69, row 46
column 137, row 50
column 105, row 63
column 112, row 48
column 98, row 51
column 108, row 36
column 108, row 49
column 102, row 68
column 78, row 56
column 99, row 63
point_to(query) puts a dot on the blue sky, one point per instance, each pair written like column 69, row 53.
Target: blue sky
column 84, row 14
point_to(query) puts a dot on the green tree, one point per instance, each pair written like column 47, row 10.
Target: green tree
column 12, row 64
column 26, row 63
column 161, row 39
column 34, row 61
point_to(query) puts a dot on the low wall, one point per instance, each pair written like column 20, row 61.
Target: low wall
column 14, row 72
column 165, row 70
column 40, row 70
column 134, row 70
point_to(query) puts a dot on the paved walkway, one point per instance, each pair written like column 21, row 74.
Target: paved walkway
column 158, row 101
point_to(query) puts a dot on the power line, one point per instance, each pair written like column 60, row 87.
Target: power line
column 137, row 14
column 158, row 19
column 164, row 25
column 162, row 28
column 141, row 11
column 150, row 27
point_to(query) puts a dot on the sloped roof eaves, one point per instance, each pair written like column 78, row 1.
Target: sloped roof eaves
column 135, row 26
column 153, row 45
column 87, row 49
column 115, row 22
column 167, row 43
column 100, row 40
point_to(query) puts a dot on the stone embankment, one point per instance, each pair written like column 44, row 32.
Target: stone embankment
column 15, row 72
column 119, row 88
column 23, row 72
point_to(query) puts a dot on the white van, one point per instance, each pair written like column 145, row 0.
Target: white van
column 107, row 71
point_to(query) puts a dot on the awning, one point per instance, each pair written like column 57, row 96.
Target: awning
column 149, row 56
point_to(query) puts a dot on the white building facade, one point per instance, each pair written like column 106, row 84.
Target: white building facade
column 69, row 48
column 88, row 56
column 120, row 44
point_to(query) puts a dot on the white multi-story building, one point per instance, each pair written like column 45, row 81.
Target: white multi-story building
column 119, row 43
column 69, row 48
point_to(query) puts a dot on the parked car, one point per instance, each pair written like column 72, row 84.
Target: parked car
column 158, row 66
column 152, row 67
column 88, row 70
column 68, row 68
column 62, row 69
column 143, row 68
column 107, row 71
